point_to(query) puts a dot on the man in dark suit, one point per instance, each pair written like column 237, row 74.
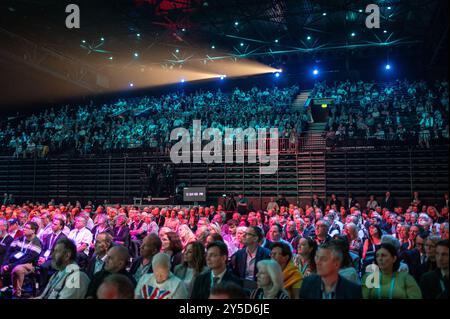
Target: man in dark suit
column 122, row 232
column 350, row 201
column 388, row 202
column 335, row 201
column 434, row 284
column 243, row 262
column 96, row 263
column 216, row 260
column 49, row 243
column 115, row 263
column 316, row 202
column 328, row 284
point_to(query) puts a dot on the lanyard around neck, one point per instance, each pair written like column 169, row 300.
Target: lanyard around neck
column 391, row 289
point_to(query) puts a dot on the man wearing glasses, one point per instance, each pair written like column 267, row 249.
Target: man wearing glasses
column 243, row 262
column 22, row 255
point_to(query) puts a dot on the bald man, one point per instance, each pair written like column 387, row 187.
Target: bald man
column 116, row 286
column 115, row 263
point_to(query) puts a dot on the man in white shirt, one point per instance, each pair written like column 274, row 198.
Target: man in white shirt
column 82, row 237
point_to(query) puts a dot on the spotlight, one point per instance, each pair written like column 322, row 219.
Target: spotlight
column 276, row 40
column 389, row 8
column 387, row 67
column 177, row 50
column 223, row 76
column 102, row 39
column 353, row 34
column 213, row 47
column 138, row 35
column 236, row 23
column 360, row 10
column 136, row 55
column 385, row 31
column 315, row 72
column 83, row 41
column 110, row 58
column 131, row 84
column 277, row 74
column 183, row 80
column 308, row 37
column 184, row 29
column 242, row 44
column 324, row 14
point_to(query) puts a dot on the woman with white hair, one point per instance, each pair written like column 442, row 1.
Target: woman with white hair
column 270, row 281
column 161, row 284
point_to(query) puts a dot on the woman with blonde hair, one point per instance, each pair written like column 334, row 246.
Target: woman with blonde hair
column 186, row 235
column 270, row 281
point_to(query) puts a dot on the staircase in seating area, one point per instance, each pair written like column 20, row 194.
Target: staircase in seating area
column 301, row 100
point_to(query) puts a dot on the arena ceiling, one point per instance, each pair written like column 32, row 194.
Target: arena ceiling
column 119, row 34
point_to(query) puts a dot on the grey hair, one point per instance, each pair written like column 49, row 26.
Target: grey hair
column 161, row 259
column 389, row 239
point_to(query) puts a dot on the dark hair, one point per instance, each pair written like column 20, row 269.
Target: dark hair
column 280, row 229
column 108, row 238
column 258, row 231
column 123, row 284
column 221, row 245
column 285, row 249
column 342, row 243
column 33, row 226
column 312, row 256
column 230, row 289
column 157, row 241
column 62, row 223
column 232, row 222
column 379, row 231
column 443, row 242
column 198, row 256
column 69, row 246
column 216, row 236
column 393, row 252
column 336, row 249
column 175, row 242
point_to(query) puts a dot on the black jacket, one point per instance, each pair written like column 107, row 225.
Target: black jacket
column 4, row 246
column 46, row 244
column 202, row 284
column 345, row 289
column 432, row 284
column 238, row 263
column 122, row 235
column 388, row 203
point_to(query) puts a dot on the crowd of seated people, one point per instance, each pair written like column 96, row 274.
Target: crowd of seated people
column 395, row 113
column 146, row 122
column 340, row 249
